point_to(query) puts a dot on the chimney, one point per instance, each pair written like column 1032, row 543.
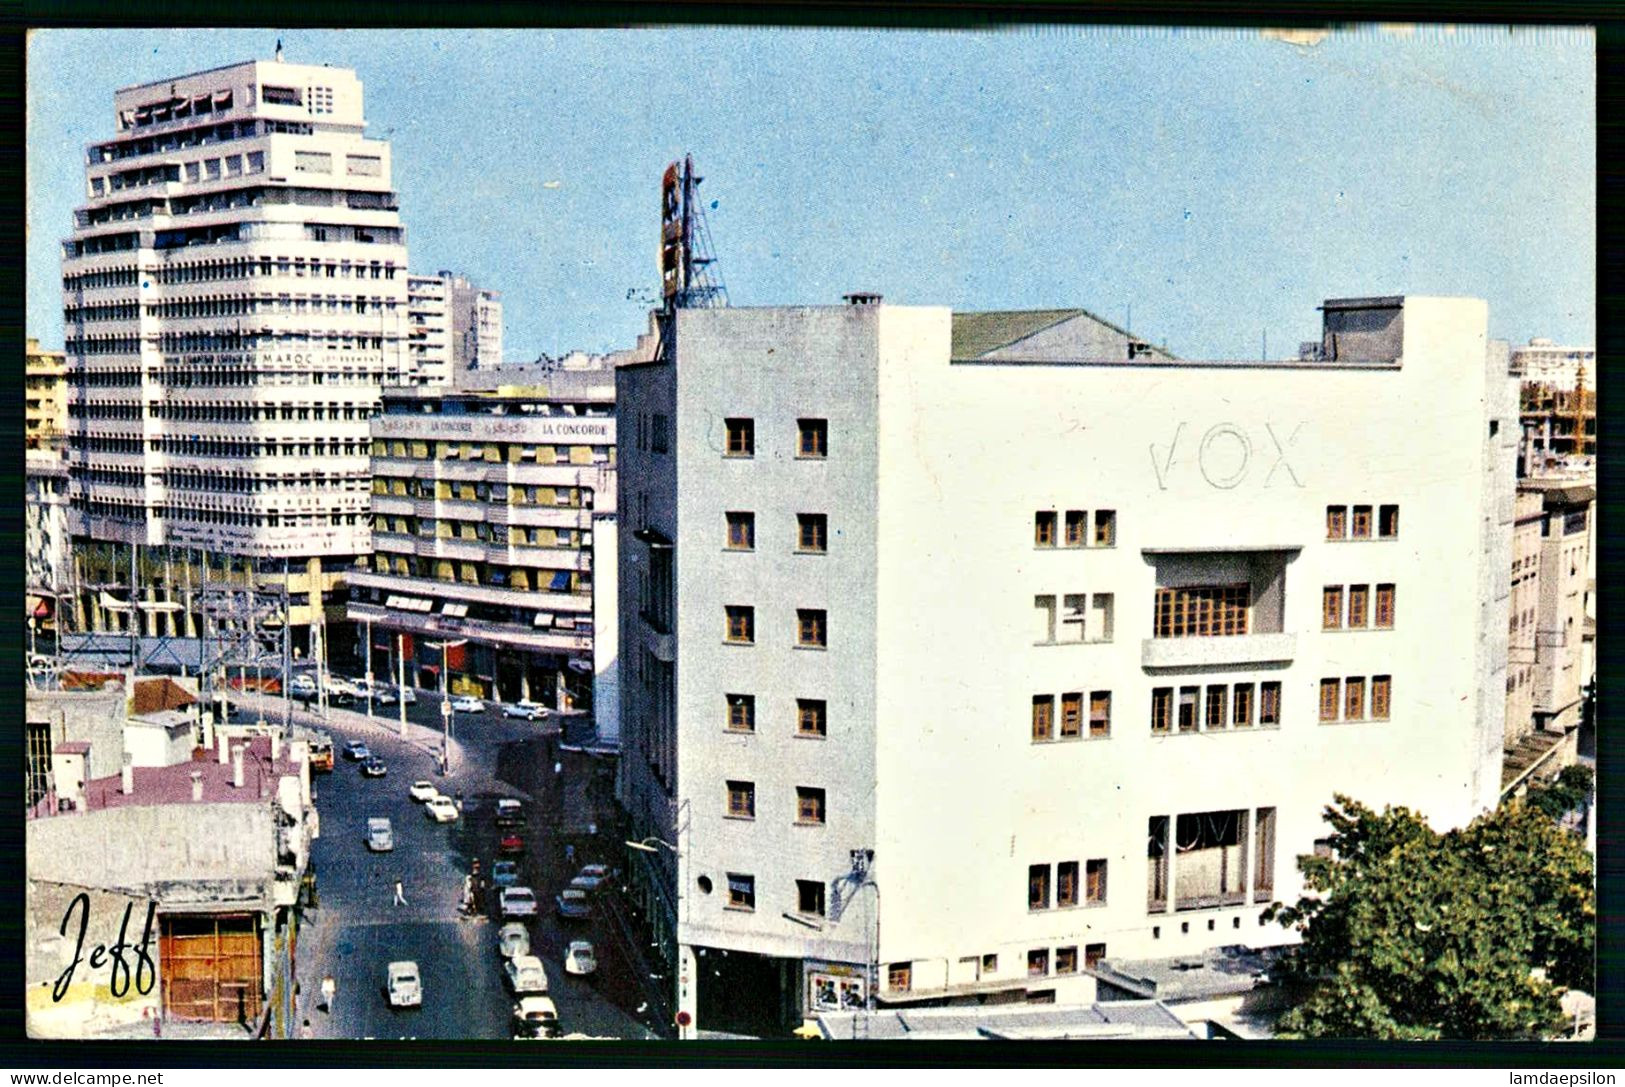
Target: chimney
column 126, row 779
column 197, row 786
column 225, row 748
column 237, row 768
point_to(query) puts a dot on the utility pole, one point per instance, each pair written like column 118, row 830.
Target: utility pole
column 369, row 669
column 400, row 682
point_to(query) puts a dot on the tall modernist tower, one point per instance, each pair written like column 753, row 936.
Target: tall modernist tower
column 235, row 296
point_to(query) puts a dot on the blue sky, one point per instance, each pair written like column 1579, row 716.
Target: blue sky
column 1219, row 183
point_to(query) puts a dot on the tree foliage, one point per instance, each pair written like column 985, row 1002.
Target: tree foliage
column 1411, row 934
column 1571, row 789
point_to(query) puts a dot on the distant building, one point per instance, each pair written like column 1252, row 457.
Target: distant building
column 428, row 329
column 47, row 546
column 455, row 327
column 1542, row 362
column 45, row 407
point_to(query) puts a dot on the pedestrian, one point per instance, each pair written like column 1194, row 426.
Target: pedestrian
column 328, row 989
column 569, row 854
column 306, row 1030
column 400, row 897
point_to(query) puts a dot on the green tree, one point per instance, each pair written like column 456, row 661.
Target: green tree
column 1411, row 934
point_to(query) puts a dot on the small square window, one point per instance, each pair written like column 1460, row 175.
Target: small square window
column 811, row 719
column 1066, row 960
column 1038, row 962
column 1092, row 954
column 1336, row 522
column 741, row 891
column 899, row 976
column 1044, row 528
column 1361, row 525
column 1105, row 528
column 741, row 437
column 742, row 799
column 741, row 531
column 809, row 806
column 1388, row 520
column 814, row 438
column 1076, row 526
column 812, row 532
column 1043, row 718
column 812, row 628
column 741, row 624
column 810, row 897
column 990, row 964
column 741, row 713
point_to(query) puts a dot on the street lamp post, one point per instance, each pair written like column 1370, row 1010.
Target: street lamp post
column 400, row 679
column 445, row 700
column 369, row 669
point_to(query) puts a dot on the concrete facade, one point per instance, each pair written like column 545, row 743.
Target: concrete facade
column 45, row 408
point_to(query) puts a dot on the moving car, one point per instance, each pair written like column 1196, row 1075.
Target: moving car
column 572, row 905
column 423, row 790
column 356, row 751
column 391, row 695
column 302, row 681
column 517, row 902
column 380, row 836
column 441, row 809
column 321, row 756
column 591, row 877
column 505, row 874
column 580, row 959
column 510, row 843
column 513, row 940
column 405, row 986
column 534, row 1017
column 374, row 768
column 586, row 884
column 468, row 704
column 526, row 709
column 509, row 813
column 525, row 974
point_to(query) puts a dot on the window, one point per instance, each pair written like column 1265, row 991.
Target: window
column 1187, row 708
column 1264, row 850
column 1072, row 715
column 1328, row 699
column 1331, row 607
column 812, row 532
column 1038, row 962
column 1043, row 717
column 1105, row 528
column 990, row 964
column 1162, row 709
column 1038, row 887
column 741, row 892
column 1217, row 695
column 1241, row 706
column 741, row 437
column 1269, row 703
column 1044, row 528
column 1045, row 606
column 741, row 713
column 742, row 799
column 1156, row 859
column 810, row 897
column 741, row 531
column 1381, row 690
column 809, row 806
column 1074, row 616
column 899, row 976
column 659, row 433
column 1077, row 523
column 1201, row 611
column 1066, row 960
column 741, row 624
column 1354, row 698
column 1336, row 522
column 1361, row 523
column 811, row 628
column 1210, row 862
column 1359, row 595
column 1100, row 714
column 1388, row 521
column 814, row 438
column 810, row 717
column 1092, row 954
column 1385, row 606
column 1066, row 884
column 1095, row 882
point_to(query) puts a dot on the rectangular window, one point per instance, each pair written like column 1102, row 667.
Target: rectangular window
column 1217, row 695
column 741, row 624
column 741, row 531
column 1105, row 528
column 1156, row 861
column 1187, row 708
column 1066, row 960
column 1038, row 962
column 1072, row 715
column 810, row 717
column 899, row 976
column 1045, row 631
column 1162, row 709
column 1210, row 859
column 1095, row 882
column 1269, row 703
column 1202, row 611
column 814, row 438
column 1038, row 887
column 1043, row 717
column 1354, row 698
column 1361, row 526
column 811, row 628
column 809, row 805
column 1264, row 851
column 1100, row 617
column 1331, row 607
column 1044, row 528
column 1075, row 616
column 1092, row 955
column 659, row 433
column 1359, row 597
column 990, row 964
column 810, row 897
column 1077, row 523
column 741, row 437
column 1385, row 606
column 1100, row 714
column 812, row 532
column 741, row 892
column 1336, row 522
column 312, row 162
column 1066, row 884
column 1241, row 706
column 1387, row 522
column 363, row 165
column 1328, row 699
column 742, row 799
column 1381, row 692
column 742, row 713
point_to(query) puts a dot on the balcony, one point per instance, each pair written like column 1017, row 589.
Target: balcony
column 1217, row 652
column 506, row 635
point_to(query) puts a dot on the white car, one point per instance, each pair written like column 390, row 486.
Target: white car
column 517, row 902
column 442, row 809
column 303, row 681
column 391, row 695
column 534, row 1017
column 468, row 704
column 525, row 975
column 513, row 940
column 580, row 959
column 423, row 790
column 530, row 711
column 405, row 986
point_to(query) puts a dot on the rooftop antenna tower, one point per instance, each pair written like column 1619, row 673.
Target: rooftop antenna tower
column 686, row 254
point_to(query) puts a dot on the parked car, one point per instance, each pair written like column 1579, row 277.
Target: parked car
column 510, row 843
column 337, row 685
column 509, row 813
column 356, row 751
column 468, row 704
column 302, row 681
column 374, row 768
column 585, row 884
column 525, row 974
column 517, row 902
column 405, row 986
column 442, row 809
column 513, row 940
column 580, row 959
column 534, row 1018
column 380, row 836
column 505, row 874
column 591, row 877
column 385, row 697
column 407, row 695
column 423, row 790
column 529, row 711
column 572, row 905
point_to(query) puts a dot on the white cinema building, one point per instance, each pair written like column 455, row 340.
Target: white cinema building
column 963, row 650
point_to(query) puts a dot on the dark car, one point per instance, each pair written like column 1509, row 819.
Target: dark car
column 505, row 874
column 356, row 751
column 510, row 843
column 374, row 768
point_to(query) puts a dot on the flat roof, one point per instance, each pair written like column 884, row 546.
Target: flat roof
column 1134, row 1019
column 1219, row 971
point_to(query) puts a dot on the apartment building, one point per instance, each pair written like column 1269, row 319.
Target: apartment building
column 45, row 414
column 234, row 291
column 429, row 329
column 493, row 521
column 962, row 651
column 454, row 325
column 1543, row 362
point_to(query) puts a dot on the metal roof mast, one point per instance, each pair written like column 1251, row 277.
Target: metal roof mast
column 686, row 254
